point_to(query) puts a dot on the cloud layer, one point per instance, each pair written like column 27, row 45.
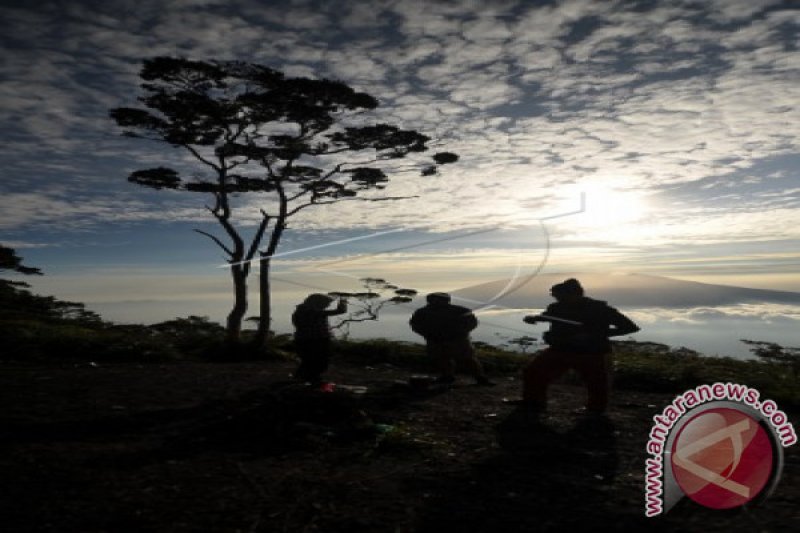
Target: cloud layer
column 685, row 112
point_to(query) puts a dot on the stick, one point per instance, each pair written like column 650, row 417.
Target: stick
column 564, row 320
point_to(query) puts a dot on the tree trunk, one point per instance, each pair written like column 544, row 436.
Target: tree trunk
column 234, row 323
column 265, row 304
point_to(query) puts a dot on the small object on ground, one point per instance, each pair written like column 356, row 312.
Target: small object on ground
column 583, row 411
column 354, row 389
column 420, row 382
column 327, row 387
column 526, row 405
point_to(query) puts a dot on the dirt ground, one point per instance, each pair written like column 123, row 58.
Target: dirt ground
column 239, row 447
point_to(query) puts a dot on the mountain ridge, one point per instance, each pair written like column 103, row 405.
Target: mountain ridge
column 621, row 289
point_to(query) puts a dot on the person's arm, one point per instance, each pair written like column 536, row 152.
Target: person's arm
column 469, row 321
column 341, row 307
column 533, row 319
column 619, row 324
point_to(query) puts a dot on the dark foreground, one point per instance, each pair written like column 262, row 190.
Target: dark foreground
column 238, row 447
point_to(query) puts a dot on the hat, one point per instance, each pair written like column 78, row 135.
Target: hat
column 438, row 298
column 318, row 300
column 570, row 286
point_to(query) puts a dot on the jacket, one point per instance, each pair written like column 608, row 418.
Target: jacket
column 599, row 322
column 310, row 323
column 443, row 322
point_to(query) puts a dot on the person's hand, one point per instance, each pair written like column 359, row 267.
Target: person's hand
column 533, row 319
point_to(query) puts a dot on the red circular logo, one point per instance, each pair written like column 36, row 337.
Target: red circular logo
column 722, row 458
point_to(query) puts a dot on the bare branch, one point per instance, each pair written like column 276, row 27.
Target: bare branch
column 338, row 168
column 303, row 206
column 352, row 198
column 200, row 158
column 258, row 236
column 300, row 194
column 382, row 199
column 216, row 240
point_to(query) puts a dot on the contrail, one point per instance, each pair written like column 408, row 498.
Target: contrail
column 325, row 245
column 511, row 286
column 581, row 209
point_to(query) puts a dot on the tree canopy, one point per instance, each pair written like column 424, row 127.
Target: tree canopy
column 299, row 142
column 230, row 113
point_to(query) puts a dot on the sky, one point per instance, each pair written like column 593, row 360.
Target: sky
column 656, row 137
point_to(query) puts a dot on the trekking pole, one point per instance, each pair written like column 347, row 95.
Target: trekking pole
column 564, row 320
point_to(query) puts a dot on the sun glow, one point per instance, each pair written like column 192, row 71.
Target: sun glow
column 610, row 212
column 609, row 207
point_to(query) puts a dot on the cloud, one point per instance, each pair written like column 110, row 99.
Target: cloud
column 20, row 245
column 767, row 313
column 81, row 213
column 533, row 97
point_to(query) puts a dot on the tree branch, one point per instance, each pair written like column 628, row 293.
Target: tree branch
column 338, row 168
column 216, row 240
column 300, row 194
column 200, row 158
column 382, row 199
column 352, row 198
column 303, row 206
column 258, row 236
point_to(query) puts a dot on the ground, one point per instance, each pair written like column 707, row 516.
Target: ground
column 239, row 447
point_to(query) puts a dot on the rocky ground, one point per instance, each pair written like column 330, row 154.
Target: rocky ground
column 239, row 447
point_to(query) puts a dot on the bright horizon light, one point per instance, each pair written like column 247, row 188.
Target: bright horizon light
column 611, row 212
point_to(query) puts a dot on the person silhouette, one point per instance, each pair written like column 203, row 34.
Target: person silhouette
column 578, row 339
column 312, row 335
column 445, row 328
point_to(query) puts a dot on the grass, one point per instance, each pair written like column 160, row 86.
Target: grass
column 637, row 366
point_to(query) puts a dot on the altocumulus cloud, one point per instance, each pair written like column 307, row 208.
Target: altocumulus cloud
column 642, row 97
column 761, row 312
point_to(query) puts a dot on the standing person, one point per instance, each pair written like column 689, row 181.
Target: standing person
column 578, row 338
column 445, row 328
column 312, row 335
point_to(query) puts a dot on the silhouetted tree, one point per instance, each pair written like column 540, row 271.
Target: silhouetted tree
column 308, row 139
column 17, row 302
column 366, row 305
column 523, row 343
column 11, row 293
column 9, row 260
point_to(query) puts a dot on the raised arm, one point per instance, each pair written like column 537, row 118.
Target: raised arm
column 619, row 324
column 341, row 307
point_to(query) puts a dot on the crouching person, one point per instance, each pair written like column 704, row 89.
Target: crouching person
column 312, row 336
column 445, row 328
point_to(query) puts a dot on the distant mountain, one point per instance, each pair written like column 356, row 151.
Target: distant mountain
column 620, row 290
